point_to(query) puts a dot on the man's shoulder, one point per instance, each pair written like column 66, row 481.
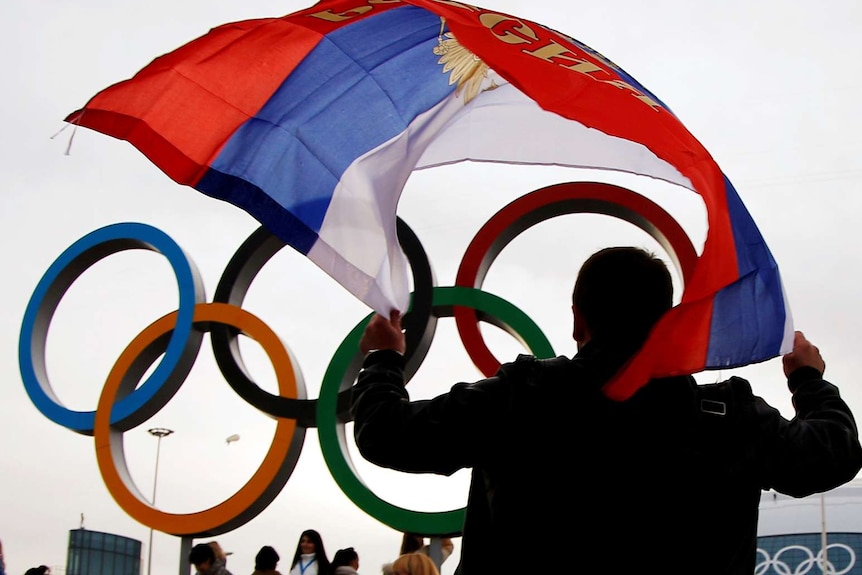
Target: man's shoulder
column 726, row 403
column 729, row 391
column 532, row 370
column 561, row 361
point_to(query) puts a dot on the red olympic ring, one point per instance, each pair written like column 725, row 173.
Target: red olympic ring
column 546, row 203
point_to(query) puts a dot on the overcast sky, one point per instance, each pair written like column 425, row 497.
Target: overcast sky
column 770, row 88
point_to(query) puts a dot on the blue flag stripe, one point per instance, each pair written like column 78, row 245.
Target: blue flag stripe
column 361, row 86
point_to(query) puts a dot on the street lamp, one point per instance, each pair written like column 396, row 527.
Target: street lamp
column 158, row 433
column 824, row 543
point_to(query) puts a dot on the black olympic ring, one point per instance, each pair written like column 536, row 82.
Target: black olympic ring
column 419, row 323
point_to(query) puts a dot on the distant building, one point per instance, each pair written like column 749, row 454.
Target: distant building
column 792, row 532
column 97, row 553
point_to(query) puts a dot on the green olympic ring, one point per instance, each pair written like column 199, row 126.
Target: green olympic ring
column 341, row 374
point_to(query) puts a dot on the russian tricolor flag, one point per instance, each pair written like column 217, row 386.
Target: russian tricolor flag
column 313, row 123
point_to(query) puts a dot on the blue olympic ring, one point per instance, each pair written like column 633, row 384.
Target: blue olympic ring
column 145, row 401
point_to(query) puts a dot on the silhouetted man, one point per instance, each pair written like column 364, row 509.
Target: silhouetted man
column 565, row 480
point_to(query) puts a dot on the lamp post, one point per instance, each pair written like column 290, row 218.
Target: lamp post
column 158, row 433
column 824, row 543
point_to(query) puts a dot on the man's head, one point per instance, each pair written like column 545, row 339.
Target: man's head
column 619, row 295
column 202, row 557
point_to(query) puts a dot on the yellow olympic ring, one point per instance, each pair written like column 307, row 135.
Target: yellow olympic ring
column 266, row 482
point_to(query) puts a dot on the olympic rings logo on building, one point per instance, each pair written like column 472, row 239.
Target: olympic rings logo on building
column 800, row 560
column 126, row 402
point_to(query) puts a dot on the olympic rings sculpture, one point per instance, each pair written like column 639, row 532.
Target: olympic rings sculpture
column 125, row 402
column 801, row 560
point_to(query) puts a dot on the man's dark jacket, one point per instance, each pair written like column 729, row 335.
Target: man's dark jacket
column 567, row 481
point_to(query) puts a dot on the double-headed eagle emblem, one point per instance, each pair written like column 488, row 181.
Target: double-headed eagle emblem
column 464, row 67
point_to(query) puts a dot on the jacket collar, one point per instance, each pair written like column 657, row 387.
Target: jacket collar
column 601, row 360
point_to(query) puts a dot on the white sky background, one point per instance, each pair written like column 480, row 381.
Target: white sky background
column 770, row 88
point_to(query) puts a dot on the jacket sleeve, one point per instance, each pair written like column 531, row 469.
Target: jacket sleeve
column 819, row 448
column 440, row 435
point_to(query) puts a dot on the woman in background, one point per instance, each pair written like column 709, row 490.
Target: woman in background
column 414, row 564
column 345, row 562
column 310, row 557
column 412, row 543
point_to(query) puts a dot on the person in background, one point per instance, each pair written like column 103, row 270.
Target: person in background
column 345, row 562
column 412, row 543
column 265, row 561
column 677, row 464
column 416, row 564
column 220, row 555
column 310, row 557
column 2, row 561
column 40, row 570
column 203, row 557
